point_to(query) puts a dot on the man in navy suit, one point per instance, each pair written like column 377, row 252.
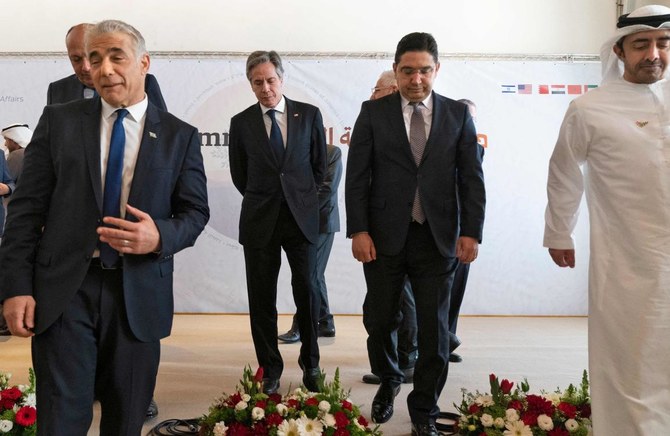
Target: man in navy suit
column 415, row 205
column 277, row 157
column 96, row 321
column 80, row 84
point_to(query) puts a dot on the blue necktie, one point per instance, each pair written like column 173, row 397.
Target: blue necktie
column 276, row 141
column 112, row 196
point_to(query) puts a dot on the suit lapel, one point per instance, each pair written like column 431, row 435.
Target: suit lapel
column 90, row 133
column 151, row 140
column 292, row 125
column 437, row 123
column 257, row 124
column 397, row 122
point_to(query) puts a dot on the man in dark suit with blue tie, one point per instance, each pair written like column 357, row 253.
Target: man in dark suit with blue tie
column 80, row 84
column 111, row 189
column 277, row 157
column 415, row 204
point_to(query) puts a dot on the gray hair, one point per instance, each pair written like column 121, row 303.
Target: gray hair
column 116, row 26
column 260, row 57
column 388, row 78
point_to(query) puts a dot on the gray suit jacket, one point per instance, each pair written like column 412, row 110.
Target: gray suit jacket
column 55, row 210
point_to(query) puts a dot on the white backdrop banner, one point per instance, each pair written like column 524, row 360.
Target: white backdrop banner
column 520, row 108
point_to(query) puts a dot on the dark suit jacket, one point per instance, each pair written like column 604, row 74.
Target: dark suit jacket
column 55, row 210
column 263, row 181
column 382, row 176
column 6, row 178
column 70, row 88
column 329, row 211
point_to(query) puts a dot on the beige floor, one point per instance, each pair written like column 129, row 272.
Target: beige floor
column 206, row 353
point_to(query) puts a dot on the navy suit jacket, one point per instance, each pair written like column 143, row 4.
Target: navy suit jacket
column 263, row 181
column 382, row 176
column 70, row 88
column 55, row 210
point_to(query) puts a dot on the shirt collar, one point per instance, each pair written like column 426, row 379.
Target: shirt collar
column 428, row 102
column 281, row 106
column 135, row 111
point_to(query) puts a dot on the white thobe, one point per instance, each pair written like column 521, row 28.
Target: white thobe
column 614, row 144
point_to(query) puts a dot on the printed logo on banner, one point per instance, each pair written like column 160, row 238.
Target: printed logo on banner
column 11, row 99
column 554, row 89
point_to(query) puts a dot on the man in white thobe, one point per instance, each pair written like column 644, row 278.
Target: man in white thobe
column 615, row 145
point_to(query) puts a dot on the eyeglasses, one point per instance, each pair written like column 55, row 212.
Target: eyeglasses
column 377, row 89
column 412, row 71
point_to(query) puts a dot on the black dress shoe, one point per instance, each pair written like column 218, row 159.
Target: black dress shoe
column 270, row 386
column 291, row 336
column 152, row 410
column 311, row 378
column 326, row 330
column 424, row 430
column 372, row 379
column 382, row 403
column 455, row 358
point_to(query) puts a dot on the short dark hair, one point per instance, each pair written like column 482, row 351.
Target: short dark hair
column 417, row 41
column 260, row 57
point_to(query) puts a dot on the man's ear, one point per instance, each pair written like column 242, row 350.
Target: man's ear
column 618, row 51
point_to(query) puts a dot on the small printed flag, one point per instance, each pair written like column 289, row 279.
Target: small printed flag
column 544, row 89
column 558, row 89
column 589, row 87
column 525, row 89
column 574, row 89
column 508, row 89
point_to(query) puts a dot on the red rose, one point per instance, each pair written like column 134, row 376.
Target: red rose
column 474, row 408
column 237, row 429
column 235, row 398
column 276, row 398
column 568, row 409
column 311, row 401
column 558, row 432
column 261, row 404
column 529, row 418
column 515, row 404
column 292, row 403
column 259, row 429
column 492, row 378
column 341, row 419
column 347, row 405
column 585, row 411
column 274, row 419
column 11, row 393
column 362, row 421
column 539, row 405
column 259, row 374
column 26, row 416
column 341, row 432
column 506, row 386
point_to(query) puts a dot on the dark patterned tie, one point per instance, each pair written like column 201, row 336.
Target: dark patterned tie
column 276, row 141
column 112, row 196
column 417, row 140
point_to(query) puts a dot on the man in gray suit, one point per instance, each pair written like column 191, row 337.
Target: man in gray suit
column 415, row 206
column 277, row 157
column 91, row 276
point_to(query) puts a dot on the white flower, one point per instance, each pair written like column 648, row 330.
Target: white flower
column 257, row 413
column 485, row 400
column 309, row 427
column 517, row 428
column 220, row 429
column 288, row 428
column 246, row 398
column 499, row 423
column 511, row 415
column 329, row 420
column 30, row 400
column 324, row 406
column 571, row 425
column 486, row 420
column 554, row 397
column 5, row 426
column 282, row 409
column 545, row 422
column 241, row 405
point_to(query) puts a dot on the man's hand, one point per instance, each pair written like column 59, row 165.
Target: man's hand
column 563, row 257
column 19, row 313
column 141, row 237
column 363, row 248
column 467, row 249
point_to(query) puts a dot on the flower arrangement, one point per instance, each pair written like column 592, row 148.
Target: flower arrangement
column 18, row 413
column 300, row 413
column 508, row 412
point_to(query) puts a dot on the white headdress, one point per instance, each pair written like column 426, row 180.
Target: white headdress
column 651, row 17
column 19, row 133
